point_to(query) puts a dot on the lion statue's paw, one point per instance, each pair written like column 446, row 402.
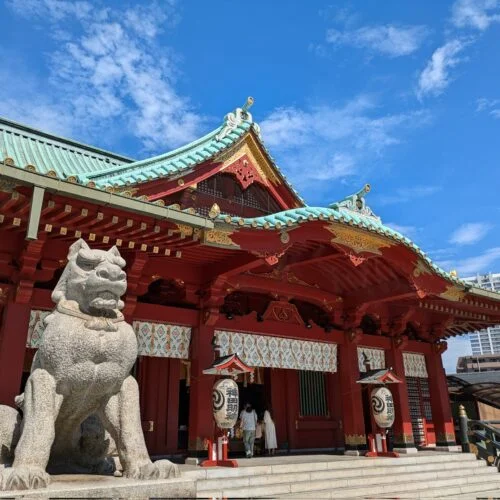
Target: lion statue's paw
column 161, row 469
column 144, row 471
column 24, row 478
column 167, row 469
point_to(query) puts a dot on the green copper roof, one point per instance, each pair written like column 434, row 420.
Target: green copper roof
column 170, row 163
column 185, row 158
column 46, row 152
column 341, row 214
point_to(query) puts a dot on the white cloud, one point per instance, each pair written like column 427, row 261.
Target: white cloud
column 388, row 40
column 457, row 346
column 112, row 72
column 478, row 14
column 491, row 106
column 335, row 142
column 435, row 76
column 472, row 265
column 403, row 195
column 470, row 233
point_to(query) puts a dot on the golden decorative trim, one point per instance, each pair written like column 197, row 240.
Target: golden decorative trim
column 219, row 238
column 52, row 173
column 358, row 240
column 9, row 161
column 453, row 293
column 91, row 184
column 72, row 179
column 404, row 438
column 30, row 168
column 355, row 439
column 248, row 146
column 184, row 230
column 421, row 268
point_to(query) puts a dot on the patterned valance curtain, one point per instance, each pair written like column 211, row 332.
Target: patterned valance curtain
column 277, row 352
column 162, row 340
column 153, row 339
column 36, row 328
column 376, row 357
column 415, row 365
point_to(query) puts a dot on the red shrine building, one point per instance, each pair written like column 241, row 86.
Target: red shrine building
column 223, row 255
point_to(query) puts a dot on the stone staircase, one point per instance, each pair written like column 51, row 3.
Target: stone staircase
column 425, row 475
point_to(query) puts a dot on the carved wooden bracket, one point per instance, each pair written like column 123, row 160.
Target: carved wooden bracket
column 284, row 312
column 353, row 335
column 352, row 317
column 29, row 260
column 400, row 342
column 440, row 347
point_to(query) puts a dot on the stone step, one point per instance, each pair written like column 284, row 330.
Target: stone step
column 445, row 470
column 442, row 488
column 374, row 484
column 335, row 463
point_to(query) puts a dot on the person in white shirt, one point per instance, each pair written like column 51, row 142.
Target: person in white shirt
column 248, row 423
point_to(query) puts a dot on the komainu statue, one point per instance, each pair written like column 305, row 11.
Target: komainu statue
column 80, row 374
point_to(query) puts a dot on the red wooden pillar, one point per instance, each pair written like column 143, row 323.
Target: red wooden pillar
column 201, row 422
column 440, row 400
column 13, row 335
column 352, row 400
column 292, row 403
column 279, row 406
column 403, row 431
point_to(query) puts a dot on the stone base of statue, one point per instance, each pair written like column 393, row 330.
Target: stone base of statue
column 92, row 486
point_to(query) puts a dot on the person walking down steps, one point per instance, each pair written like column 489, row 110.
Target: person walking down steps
column 270, row 433
column 248, row 419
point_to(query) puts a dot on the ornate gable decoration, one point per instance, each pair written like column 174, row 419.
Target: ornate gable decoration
column 247, row 162
column 283, row 312
column 356, row 203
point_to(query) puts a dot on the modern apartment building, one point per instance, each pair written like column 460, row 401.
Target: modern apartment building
column 486, row 341
column 480, row 363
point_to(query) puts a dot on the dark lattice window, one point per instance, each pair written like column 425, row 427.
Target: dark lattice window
column 313, row 399
column 419, row 400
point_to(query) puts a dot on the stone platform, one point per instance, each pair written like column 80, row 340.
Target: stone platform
column 92, row 486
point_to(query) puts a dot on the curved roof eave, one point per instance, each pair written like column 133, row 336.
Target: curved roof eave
column 288, row 219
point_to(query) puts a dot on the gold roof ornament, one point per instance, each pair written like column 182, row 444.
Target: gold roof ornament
column 214, row 211
column 454, row 273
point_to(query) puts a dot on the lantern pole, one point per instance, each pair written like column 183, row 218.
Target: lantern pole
column 225, row 406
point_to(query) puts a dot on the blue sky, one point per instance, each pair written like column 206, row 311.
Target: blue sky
column 403, row 95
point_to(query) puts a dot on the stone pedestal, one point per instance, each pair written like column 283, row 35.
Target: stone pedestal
column 91, row 486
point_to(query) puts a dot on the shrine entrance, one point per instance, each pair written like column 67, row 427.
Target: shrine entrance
column 258, row 394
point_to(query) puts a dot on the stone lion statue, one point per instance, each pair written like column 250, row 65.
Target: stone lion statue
column 80, row 377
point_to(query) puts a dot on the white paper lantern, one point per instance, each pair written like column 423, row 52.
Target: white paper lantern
column 382, row 407
column 225, row 403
